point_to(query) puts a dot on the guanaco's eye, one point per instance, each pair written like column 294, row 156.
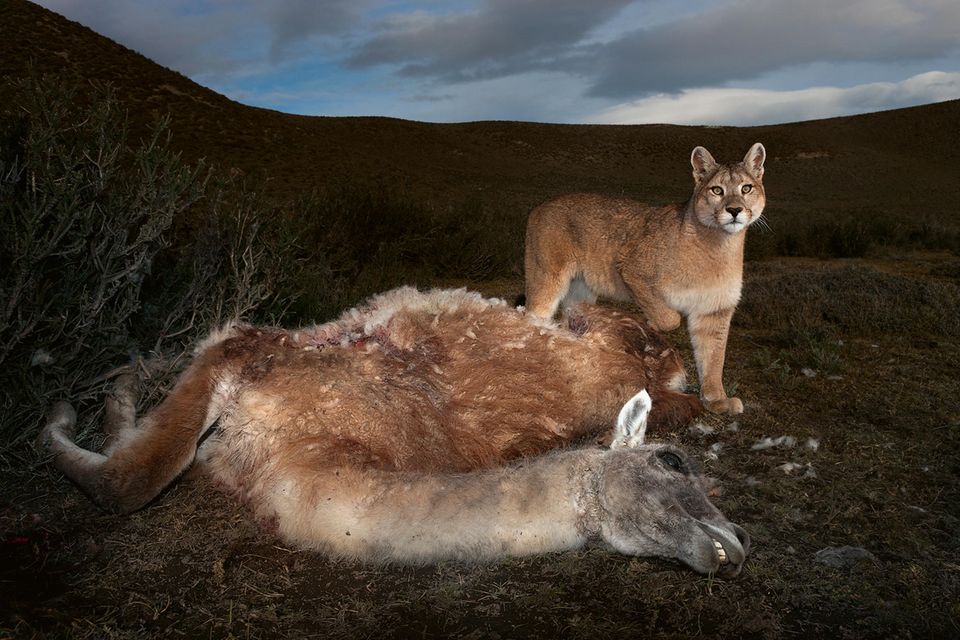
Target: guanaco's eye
column 747, row 188
column 670, row 459
column 717, row 190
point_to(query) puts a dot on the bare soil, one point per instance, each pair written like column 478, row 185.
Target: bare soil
column 875, row 413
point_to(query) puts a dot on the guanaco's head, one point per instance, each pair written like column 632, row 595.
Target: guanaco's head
column 654, row 503
column 728, row 197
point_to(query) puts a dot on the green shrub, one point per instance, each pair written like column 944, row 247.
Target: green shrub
column 88, row 275
column 82, row 218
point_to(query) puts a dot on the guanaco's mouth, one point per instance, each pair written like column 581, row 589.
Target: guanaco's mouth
column 731, row 544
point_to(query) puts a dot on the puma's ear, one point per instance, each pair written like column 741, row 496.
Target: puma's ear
column 754, row 160
column 703, row 163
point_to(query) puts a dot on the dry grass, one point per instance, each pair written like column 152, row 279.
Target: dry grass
column 884, row 477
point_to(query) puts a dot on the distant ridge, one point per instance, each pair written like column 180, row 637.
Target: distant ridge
column 517, row 163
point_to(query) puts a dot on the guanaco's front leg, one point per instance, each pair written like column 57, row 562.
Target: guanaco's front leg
column 708, row 334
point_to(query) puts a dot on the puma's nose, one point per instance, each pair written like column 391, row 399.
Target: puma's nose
column 733, row 211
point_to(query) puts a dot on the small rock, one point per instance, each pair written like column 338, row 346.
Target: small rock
column 812, row 443
column 751, row 481
column 733, row 427
column 810, row 373
column 840, row 557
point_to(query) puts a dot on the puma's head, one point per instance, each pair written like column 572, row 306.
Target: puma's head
column 728, row 197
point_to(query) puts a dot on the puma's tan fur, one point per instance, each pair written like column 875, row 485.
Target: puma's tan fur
column 675, row 261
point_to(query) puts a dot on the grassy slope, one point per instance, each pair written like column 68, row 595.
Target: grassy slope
column 881, row 335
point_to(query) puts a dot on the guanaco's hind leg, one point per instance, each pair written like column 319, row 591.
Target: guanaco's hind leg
column 78, row 464
column 120, row 411
column 138, row 463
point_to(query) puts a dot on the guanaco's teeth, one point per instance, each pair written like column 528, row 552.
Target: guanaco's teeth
column 720, row 552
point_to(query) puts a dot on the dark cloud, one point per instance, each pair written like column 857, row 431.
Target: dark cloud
column 431, row 98
column 501, row 38
column 294, row 21
column 209, row 38
column 159, row 31
column 730, row 42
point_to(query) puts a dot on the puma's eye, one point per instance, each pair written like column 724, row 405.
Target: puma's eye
column 717, row 190
column 747, row 188
column 671, row 459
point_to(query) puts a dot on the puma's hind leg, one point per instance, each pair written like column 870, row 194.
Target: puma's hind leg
column 549, row 265
column 546, row 287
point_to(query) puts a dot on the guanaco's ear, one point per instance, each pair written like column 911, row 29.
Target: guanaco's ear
column 702, row 162
column 632, row 421
column 753, row 161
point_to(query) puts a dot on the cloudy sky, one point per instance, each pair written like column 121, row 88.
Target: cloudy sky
column 738, row 62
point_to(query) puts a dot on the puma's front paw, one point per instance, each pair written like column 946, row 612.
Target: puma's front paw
column 730, row 406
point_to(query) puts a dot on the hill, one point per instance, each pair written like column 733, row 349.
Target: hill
column 884, row 167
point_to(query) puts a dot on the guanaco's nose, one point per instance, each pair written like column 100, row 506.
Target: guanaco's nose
column 733, row 211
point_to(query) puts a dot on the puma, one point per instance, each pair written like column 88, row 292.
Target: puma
column 677, row 261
